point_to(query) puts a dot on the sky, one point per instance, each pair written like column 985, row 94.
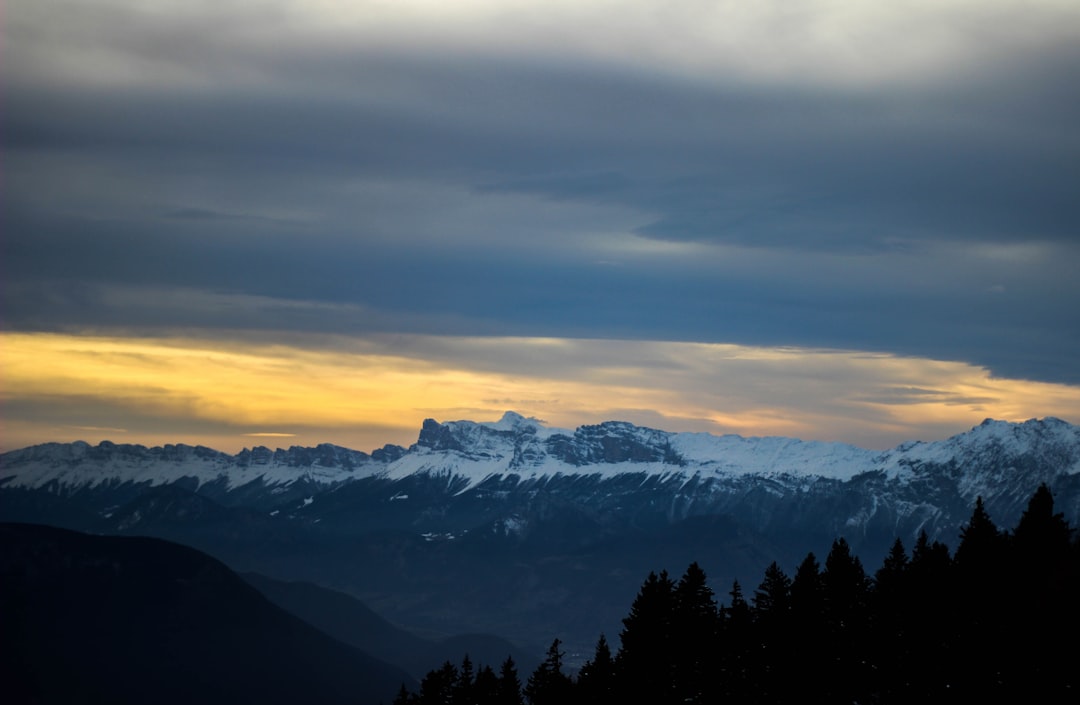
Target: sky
column 287, row 222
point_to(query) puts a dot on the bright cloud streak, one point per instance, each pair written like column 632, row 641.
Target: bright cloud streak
column 831, row 41
column 363, row 393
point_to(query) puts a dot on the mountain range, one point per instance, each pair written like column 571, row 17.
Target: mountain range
column 530, row 532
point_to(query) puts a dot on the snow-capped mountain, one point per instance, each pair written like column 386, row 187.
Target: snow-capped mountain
column 924, row 483
column 516, row 528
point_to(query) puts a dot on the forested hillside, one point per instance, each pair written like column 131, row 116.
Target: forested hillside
column 994, row 619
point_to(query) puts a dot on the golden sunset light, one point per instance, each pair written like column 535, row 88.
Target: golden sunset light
column 360, row 394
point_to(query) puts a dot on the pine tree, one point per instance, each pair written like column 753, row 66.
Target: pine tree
column 1041, row 535
column 772, row 634
column 644, row 662
column 486, row 687
column 772, row 599
column 404, row 697
column 844, row 584
column 596, row 679
column 462, row 692
column 807, row 627
column 694, row 627
column 933, row 626
column 891, row 651
column 889, row 578
column 1044, row 592
column 548, row 685
column 509, row 689
column 981, row 544
column 437, row 687
column 845, row 590
column 735, row 646
column 806, row 591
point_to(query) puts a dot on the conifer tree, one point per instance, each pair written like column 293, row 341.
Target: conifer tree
column 462, row 692
column 485, row 687
column 437, row 687
column 772, row 599
column 596, row 679
column 981, row 544
column 806, row 590
column 548, row 685
column 404, row 697
column 844, row 583
column 736, row 614
column 890, row 651
column 735, row 646
column 892, row 573
column 933, row 622
column 509, row 688
column 1044, row 591
column 807, row 624
column 845, row 591
column 644, row 662
column 1042, row 534
column 890, row 588
column 694, row 625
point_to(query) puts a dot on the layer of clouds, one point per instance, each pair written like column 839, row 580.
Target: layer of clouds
column 365, row 392
column 892, row 179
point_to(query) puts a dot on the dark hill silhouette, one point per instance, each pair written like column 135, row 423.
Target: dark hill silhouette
column 96, row 619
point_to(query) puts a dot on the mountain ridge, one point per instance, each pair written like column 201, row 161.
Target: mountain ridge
column 513, row 445
column 518, row 529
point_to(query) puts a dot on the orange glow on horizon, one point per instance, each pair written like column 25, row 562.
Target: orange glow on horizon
column 364, row 393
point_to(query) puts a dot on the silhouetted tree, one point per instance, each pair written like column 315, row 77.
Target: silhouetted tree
column 925, row 629
column 693, row 638
column 845, row 591
column 1041, row 536
column 596, row 679
column 772, row 646
column 486, row 687
column 736, row 644
column 462, row 692
column 404, row 697
column 890, row 651
column 844, row 585
column 1044, row 593
column 981, row 544
column 772, row 599
column 437, row 687
column 806, row 590
column 891, row 575
column 548, row 685
column 644, row 662
column 509, row 690
column 807, row 627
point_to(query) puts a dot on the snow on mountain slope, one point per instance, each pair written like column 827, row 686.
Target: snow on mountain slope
column 82, row 465
column 470, row 453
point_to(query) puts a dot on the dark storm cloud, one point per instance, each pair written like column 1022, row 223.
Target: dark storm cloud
column 366, row 191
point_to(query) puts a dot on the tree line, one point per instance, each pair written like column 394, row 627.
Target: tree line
column 998, row 618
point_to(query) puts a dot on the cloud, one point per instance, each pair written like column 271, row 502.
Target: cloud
column 364, row 392
column 894, row 179
column 186, row 43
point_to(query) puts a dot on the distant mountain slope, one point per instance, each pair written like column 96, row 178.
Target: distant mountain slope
column 913, row 486
column 530, row 532
column 93, row 619
column 351, row 621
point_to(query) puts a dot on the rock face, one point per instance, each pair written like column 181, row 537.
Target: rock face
column 613, row 469
column 562, row 517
